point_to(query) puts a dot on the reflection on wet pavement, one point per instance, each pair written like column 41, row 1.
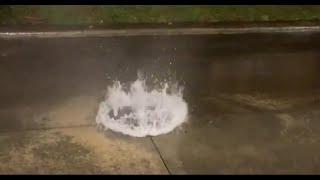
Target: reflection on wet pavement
column 254, row 100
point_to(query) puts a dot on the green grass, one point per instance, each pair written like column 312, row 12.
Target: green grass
column 93, row 15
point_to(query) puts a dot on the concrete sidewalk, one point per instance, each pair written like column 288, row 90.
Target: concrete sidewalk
column 77, row 150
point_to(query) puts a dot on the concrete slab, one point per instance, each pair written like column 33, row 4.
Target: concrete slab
column 225, row 136
column 80, row 150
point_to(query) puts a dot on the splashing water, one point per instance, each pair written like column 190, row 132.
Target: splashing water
column 140, row 112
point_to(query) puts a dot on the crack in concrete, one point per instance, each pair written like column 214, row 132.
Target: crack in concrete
column 158, row 151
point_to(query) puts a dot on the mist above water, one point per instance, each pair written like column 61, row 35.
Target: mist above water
column 142, row 110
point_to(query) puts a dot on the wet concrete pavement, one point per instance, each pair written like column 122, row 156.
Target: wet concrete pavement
column 254, row 103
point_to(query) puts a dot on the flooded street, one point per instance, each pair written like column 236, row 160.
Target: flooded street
column 253, row 100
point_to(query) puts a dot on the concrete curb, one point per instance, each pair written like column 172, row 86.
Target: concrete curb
column 155, row 32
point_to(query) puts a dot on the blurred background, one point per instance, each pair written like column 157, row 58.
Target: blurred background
column 115, row 14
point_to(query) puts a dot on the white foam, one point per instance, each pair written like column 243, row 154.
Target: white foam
column 140, row 112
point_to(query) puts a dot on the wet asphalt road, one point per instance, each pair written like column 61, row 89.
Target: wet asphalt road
column 253, row 98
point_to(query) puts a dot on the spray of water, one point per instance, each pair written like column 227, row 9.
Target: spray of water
column 142, row 111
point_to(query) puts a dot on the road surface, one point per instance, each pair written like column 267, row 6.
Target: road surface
column 254, row 102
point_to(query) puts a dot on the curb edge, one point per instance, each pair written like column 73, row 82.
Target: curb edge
column 154, row 32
